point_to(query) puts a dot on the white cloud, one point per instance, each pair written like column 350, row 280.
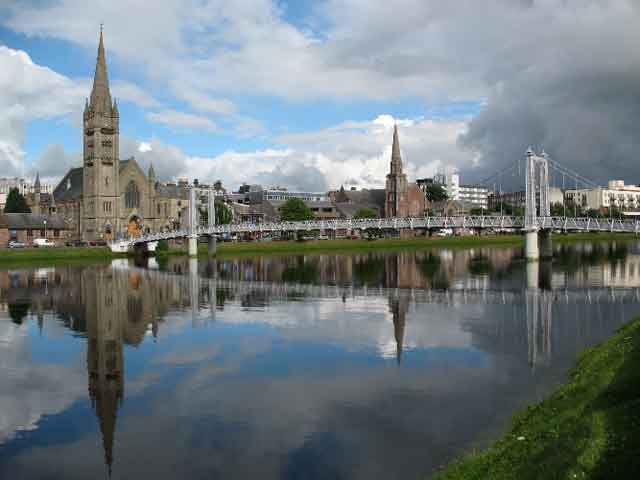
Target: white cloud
column 28, row 92
column 182, row 121
column 205, row 103
column 130, row 92
column 353, row 153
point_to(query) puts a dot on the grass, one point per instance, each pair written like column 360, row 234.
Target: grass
column 54, row 255
column 329, row 246
column 320, row 246
column 588, row 429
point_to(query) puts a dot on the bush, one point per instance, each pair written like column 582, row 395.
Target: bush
column 163, row 246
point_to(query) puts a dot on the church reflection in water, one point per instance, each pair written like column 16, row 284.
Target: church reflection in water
column 106, row 319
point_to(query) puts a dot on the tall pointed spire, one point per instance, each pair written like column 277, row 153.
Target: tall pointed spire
column 396, row 159
column 36, row 185
column 100, row 95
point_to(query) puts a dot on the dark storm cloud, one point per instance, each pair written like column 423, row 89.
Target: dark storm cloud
column 576, row 94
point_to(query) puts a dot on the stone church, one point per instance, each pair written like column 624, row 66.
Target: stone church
column 107, row 197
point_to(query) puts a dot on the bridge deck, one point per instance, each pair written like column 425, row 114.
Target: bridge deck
column 470, row 222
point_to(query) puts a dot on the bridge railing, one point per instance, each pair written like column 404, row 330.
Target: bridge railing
column 498, row 223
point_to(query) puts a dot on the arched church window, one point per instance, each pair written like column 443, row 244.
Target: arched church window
column 132, row 195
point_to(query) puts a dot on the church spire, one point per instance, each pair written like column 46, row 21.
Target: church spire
column 100, row 95
column 36, row 185
column 396, row 159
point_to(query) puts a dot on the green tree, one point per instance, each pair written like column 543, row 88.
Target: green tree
column 557, row 209
column 16, row 203
column 435, row 193
column 223, row 214
column 366, row 213
column 295, row 210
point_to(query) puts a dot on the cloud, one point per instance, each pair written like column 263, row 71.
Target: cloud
column 33, row 390
column 576, row 95
column 130, row 92
column 558, row 74
column 352, row 153
column 204, row 103
column 182, row 121
column 55, row 161
column 28, row 92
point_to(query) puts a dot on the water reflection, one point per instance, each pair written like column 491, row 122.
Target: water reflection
column 279, row 367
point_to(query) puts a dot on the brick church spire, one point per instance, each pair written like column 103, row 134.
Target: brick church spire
column 396, row 187
column 100, row 96
column 396, row 159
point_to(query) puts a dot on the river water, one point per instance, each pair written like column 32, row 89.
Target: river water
column 377, row 365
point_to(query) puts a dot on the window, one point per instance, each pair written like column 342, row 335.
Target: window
column 132, row 195
column 106, row 181
column 56, row 233
column 106, row 207
column 29, row 233
column 158, row 209
column 42, row 233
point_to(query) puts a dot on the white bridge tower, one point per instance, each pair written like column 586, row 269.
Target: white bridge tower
column 536, row 193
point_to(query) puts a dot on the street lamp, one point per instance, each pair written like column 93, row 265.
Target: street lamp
column 45, row 228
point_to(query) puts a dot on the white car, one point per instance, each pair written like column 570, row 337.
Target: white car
column 43, row 242
column 444, row 232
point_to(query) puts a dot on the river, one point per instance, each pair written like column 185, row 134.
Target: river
column 376, row 365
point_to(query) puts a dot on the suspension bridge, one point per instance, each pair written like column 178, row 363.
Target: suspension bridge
column 537, row 222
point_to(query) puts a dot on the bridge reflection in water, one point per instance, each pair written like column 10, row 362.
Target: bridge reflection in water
column 128, row 304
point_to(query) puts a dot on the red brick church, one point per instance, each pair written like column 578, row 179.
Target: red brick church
column 402, row 199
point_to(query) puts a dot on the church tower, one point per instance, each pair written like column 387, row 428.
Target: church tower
column 396, row 187
column 36, row 195
column 100, row 190
column 105, row 316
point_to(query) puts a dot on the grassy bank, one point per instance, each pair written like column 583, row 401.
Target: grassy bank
column 588, row 429
column 48, row 255
column 334, row 246
column 320, row 246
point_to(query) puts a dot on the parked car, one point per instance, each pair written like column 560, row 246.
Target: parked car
column 76, row 243
column 43, row 242
column 444, row 232
column 16, row 244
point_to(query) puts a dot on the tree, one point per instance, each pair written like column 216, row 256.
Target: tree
column 295, row 210
column 223, row 214
column 435, row 193
column 366, row 213
column 16, row 203
column 557, row 209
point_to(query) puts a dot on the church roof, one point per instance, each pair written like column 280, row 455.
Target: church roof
column 100, row 96
column 70, row 187
column 20, row 221
column 124, row 163
column 172, row 191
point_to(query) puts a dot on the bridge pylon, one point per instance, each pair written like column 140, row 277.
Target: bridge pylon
column 536, row 191
column 192, row 238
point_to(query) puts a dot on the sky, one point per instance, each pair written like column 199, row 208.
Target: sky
column 304, row 94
